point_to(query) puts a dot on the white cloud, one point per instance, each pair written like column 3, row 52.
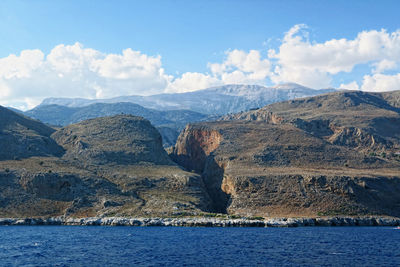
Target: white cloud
column 384, row 65
column 350, row 86
column 381, row 82
column 192, row 81
column 314, row 64
column 239, row 67
column 242, row 67
column 20, row 66
column 75, row 71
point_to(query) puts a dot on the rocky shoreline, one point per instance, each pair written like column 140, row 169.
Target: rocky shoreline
column 206, row 222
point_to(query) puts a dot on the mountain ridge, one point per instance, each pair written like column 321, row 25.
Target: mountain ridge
column 169, row 122
column 215, row 100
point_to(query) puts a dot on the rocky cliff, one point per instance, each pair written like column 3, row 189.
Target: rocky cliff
column 335, row 154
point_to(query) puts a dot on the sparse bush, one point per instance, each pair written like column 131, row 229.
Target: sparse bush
column 256, row 218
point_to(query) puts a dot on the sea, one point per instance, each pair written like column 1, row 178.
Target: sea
column 198, row 246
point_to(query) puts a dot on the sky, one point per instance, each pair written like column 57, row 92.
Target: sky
column 103, row 49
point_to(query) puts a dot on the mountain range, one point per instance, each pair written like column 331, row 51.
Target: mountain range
column 170, row 112
column 169, row 122
column 215, row 101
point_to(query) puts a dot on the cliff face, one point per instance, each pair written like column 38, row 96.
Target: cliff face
column 288, row 160
column 195, row 145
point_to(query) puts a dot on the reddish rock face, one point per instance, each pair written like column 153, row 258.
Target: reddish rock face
column 193, row 147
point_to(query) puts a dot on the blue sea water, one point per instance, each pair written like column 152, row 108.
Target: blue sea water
column 186, row 246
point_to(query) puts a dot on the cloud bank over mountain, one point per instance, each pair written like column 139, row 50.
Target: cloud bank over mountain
column 77, row 71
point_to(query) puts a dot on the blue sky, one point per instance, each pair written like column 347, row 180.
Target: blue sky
column 186, row 37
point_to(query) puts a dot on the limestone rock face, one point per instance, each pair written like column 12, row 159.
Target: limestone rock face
column 194, row 146
column 333, row 154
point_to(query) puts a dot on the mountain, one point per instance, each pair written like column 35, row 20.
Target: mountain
column 14, row 109
column 366, row 121
column 333, row 154
column 170, row 122
column 110, row 166
column 22, row 137
column 121, row 139
column 216, row 101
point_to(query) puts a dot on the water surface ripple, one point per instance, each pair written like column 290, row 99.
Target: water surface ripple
column 186, row 246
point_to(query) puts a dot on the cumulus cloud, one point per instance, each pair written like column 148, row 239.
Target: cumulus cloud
column 20, row 66
column 192, row 81
column 238, row 67
column 384, row 65
column 75, row 71
column 381, row 82
column 349, row 86
column 314, row 64
column 242, row 67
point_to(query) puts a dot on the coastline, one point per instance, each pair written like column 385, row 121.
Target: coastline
column 205, row 222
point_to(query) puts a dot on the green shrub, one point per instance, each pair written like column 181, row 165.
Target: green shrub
column 256, row 218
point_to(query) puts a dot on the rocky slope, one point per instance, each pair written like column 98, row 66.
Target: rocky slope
column 335, row 154
column 100, row 167
column 365, row 121
column 21, row 137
